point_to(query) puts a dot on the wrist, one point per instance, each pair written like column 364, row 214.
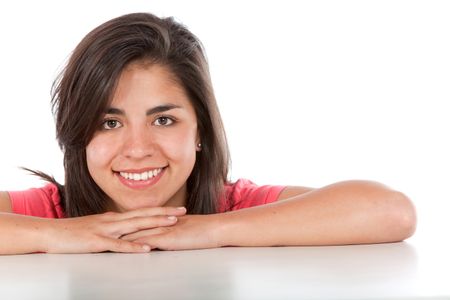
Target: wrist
column 223, row 232
column 244, row 228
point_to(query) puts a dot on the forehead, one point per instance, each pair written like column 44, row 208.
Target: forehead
column 153, row 84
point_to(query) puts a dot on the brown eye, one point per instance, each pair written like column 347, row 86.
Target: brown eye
column 111, row 124
column 164, row 121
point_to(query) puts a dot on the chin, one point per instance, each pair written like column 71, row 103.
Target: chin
column 137, row 203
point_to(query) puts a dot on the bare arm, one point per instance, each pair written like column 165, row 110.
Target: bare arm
column 349, row 212
column 95, row 233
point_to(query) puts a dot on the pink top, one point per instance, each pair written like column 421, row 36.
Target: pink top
column 45, row 202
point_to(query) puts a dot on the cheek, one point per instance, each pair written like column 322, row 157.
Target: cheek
column 99, row 152
column 181, row 147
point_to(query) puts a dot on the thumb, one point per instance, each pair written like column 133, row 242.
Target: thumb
column 122, row 246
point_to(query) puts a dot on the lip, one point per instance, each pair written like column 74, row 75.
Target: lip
column 139, row 170
column 140, row 184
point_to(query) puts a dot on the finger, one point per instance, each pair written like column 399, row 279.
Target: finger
column 128, row 226
column 118, row 245
column 143, row 233
column 153, row 211
column 159, row 241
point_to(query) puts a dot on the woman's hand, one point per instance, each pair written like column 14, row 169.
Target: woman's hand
column 103, row 232
column 190, row 232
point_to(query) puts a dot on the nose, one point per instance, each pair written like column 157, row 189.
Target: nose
column 138, row 143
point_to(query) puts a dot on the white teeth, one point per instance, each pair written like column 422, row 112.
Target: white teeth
column 140, row 176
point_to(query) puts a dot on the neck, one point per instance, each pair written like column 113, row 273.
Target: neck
column 179, row 199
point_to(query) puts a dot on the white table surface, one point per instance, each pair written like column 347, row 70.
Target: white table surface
column 385, row 271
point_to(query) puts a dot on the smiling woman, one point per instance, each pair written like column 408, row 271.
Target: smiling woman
column 137, row 142
column 146, row 163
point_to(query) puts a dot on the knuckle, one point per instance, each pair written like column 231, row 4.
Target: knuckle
column 167, row 210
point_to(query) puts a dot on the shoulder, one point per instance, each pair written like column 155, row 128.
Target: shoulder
column 40, row 202
column 245, row 193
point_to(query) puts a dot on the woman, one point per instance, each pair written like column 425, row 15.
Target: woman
column 146, row 163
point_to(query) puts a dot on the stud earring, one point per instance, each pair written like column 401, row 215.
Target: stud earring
column 199, row 145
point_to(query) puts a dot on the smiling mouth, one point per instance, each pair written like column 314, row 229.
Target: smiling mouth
column 141, row 176
column 140, row 180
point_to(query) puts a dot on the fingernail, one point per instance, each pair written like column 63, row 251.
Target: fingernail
column 181, row 208
column 146, row 248
column 172, row 218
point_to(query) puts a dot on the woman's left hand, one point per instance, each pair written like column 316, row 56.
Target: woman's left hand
column 190, row 232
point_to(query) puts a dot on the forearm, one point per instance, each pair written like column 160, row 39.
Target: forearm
column 352, row 212
column 21, row 234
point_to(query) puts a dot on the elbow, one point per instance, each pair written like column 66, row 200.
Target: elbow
column 402, row 216
column 394, row 214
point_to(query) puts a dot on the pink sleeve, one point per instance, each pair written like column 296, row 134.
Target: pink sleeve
column 39, row 202
column 244, row 193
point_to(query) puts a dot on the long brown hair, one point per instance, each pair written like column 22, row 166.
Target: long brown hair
column 85, row 87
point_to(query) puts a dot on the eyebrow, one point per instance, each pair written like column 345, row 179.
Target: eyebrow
column 149, row 112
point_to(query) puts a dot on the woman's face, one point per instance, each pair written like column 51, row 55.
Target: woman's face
column 144, row 150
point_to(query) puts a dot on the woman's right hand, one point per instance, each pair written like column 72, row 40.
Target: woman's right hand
column 102, row 232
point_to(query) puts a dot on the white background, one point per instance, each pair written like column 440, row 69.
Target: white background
column 310, row 92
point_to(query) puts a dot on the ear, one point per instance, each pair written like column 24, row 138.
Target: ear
column 198, row 143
